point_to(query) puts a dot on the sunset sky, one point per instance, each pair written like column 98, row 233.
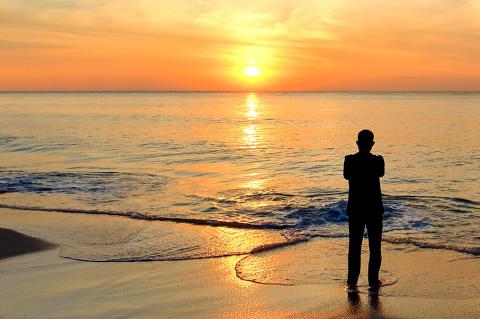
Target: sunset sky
column 239, row 45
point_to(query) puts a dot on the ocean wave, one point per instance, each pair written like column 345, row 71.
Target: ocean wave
column 433, row 245
column 403, row 222
column 6, row 139
column 295, row 218
column 112, row 184
column 429, row 197
column 138, row 215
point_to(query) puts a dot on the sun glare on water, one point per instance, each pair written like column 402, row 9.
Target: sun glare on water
column 252, row 71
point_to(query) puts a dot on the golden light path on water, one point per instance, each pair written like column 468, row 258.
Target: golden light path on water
column 252, row 138
column 252, row 101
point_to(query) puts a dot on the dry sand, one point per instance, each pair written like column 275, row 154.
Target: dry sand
column 431, row 284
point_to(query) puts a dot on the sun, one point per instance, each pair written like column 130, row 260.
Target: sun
column 252, row 71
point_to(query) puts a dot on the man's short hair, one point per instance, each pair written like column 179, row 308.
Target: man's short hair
column 365, row 137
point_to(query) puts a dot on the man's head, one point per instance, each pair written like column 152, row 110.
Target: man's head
column 365, row 140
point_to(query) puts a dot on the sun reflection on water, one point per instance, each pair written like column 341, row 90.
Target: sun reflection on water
column 250, row 136
column 250, row 132
column 255, row 184
column 252, row 102
column 242, row 240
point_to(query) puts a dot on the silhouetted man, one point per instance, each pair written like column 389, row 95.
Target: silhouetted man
column 365, row 208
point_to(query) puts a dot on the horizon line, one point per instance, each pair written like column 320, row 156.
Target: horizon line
column 239, row 91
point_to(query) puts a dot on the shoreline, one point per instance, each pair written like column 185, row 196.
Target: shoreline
column 430, row 283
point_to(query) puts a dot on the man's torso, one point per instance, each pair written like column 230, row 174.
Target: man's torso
column 363, row 171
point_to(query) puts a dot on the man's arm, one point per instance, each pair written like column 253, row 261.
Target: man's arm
column 347, row 169
column 381, row 166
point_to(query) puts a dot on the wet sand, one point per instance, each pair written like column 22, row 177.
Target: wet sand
column 299, row 281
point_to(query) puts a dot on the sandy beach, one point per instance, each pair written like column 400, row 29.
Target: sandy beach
column 299, row 281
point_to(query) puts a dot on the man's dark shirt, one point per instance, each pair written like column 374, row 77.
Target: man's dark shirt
column 363, row 172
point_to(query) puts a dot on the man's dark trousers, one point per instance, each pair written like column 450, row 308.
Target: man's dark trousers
column 356, row 225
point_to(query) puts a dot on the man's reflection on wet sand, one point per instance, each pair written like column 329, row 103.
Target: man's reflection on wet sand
column 355, row 306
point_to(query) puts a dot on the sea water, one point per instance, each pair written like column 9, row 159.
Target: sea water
column 170, row 176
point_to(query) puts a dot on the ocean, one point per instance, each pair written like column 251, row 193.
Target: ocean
column 170, row 176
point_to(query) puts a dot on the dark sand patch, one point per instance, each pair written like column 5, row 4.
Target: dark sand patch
column 13, row 243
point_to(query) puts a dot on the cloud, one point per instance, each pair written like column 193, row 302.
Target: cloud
column 299, row 41
column 28, row 45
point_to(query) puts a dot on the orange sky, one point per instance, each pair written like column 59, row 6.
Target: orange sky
column 206, row 45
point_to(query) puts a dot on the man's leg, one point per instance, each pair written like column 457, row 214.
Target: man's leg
column 355, row 226
column 374, row 229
